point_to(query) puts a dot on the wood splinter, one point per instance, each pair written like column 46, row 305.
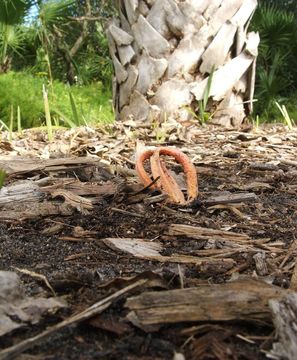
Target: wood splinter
column 164, row 180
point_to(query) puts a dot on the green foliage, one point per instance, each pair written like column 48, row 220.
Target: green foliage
column 203, row 103
column 52, row 44
column 69, row 50
column 11, row 38
column 24, row 91
column 286, row 5
column 94, row 67
column 271, row 86
column 275, row 26
column 92, row 102
column 13, row 11
column 277, row 61
column 53, row 12
column 25, row 57
column 94, row 63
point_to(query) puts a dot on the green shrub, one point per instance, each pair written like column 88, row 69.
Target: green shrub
column 277, row 62
column 92, row 102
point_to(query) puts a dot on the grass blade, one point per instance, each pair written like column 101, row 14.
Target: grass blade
column 203, row 103
column 11, row 123
column 64, row 118
column 19, row 120
column 74, row 110
column 47, row 114
column 3, row 125
column 285, row 114
column 208, row 87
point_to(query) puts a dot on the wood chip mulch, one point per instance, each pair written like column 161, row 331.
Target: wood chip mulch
column 139, row 276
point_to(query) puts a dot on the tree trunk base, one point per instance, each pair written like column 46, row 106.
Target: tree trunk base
column 184, row 60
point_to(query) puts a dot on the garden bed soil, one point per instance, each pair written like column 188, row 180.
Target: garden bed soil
column 240, row 241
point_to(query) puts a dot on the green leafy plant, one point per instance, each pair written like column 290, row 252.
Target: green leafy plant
column 12, row 13
column 203, row 103
column 11, row 38
column 159, row 129
column 271, row 86
column 95, row 64
column 51, row 14
column 277, row 62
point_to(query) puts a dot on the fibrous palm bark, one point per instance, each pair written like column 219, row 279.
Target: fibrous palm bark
column 164, row 51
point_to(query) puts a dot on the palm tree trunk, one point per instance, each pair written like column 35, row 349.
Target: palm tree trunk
column 164, row 51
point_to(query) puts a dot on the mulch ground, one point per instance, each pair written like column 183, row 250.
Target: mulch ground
column 82, row 197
